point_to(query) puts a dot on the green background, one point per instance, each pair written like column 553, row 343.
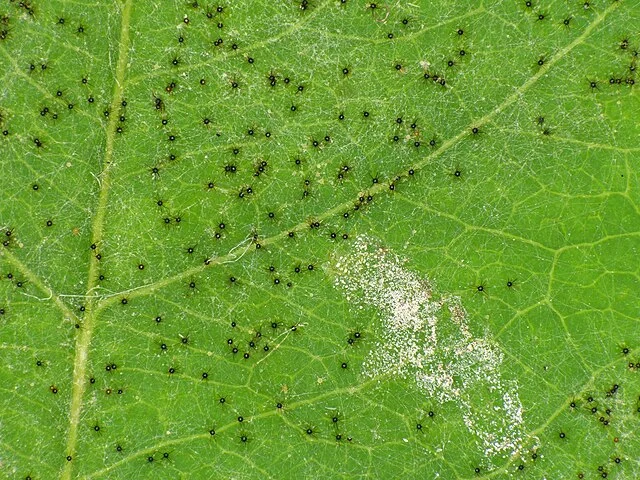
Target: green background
column 544, row 195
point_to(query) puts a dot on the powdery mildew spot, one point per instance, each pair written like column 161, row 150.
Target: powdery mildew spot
column 428, row 341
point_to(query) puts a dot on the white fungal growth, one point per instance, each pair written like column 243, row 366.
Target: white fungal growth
column 428, row 341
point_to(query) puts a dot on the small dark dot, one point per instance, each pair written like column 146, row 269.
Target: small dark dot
column 344, row 365
column 124, row 301
column 69, row 458
column 365, row 114
column 562, row 435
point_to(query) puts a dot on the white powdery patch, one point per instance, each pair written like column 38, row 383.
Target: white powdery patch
column 429, row 342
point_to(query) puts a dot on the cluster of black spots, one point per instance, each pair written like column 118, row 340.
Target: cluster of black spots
column 245, row 192
column 435, row 78
column 343, row 171
column 4, row 30
column 633, row 366
column 306, row 191
column 613, row 390
column 110, row 367
column 8, row 239
column 354, row 338
column 16, row 282
column 319, row 144
column 260, row 168
column 627, row 77
column 257, row 342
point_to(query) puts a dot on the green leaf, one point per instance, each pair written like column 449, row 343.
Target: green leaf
column 319, row 239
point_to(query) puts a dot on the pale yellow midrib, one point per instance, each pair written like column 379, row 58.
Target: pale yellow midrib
column 83, row 341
